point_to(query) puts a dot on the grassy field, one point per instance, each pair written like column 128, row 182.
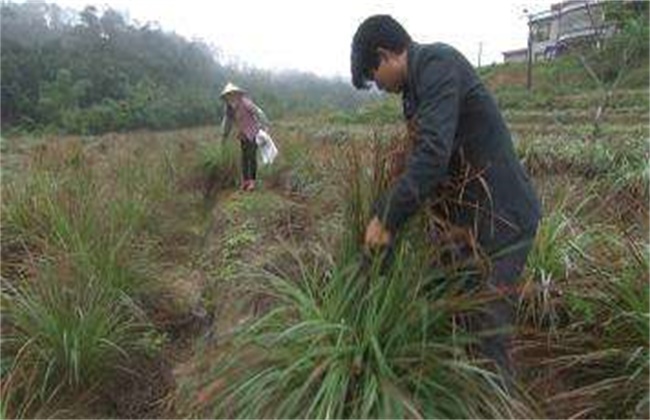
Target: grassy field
column 137, row 281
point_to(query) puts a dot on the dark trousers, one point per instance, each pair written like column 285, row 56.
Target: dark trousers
column 496, row 320
column 248, row 159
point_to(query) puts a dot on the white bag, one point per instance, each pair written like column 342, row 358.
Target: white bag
column 268, row 150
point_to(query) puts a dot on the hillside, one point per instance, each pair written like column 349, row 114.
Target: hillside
column 92, row 71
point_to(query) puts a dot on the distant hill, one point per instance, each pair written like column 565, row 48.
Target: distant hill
column 93, row 71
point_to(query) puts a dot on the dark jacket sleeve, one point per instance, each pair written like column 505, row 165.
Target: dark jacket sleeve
column 437, row 88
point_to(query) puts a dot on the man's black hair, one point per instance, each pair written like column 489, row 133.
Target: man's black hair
column 376, row 31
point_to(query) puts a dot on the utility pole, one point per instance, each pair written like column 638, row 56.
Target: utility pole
column 529, row 69
column 480, row 52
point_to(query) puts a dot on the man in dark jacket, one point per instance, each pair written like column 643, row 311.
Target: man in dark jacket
column 460, row 140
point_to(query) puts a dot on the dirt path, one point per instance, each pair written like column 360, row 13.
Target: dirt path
column 204, row 298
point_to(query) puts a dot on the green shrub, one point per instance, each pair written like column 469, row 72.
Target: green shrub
column 382, row 111
column 346, row 341
column 620, row 163
column 560, row 247
column 81, row 238
column 220, row 164
column 64, row 333
column 605, row 354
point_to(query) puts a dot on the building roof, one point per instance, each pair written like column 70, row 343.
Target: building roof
column 542, row 16
column 517, row 51
column 563, row 7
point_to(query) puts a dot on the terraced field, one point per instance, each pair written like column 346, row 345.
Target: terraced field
column 139, row 282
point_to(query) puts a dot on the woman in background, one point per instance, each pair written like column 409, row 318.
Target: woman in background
column 251, row 123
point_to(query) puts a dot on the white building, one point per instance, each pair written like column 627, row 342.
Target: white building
column 567, row 23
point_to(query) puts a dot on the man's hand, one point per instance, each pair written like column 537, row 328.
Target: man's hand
column 377, row 236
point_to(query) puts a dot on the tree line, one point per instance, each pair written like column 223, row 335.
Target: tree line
column 96, row 71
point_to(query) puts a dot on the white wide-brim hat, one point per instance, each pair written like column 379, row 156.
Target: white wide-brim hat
column 230, row 88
